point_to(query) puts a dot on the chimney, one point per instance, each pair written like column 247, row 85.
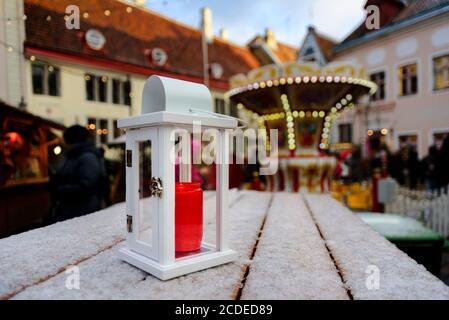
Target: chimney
column 206, row 24
column 224, row 34
column 270, row 38
column 139, row 3
column 389, row 9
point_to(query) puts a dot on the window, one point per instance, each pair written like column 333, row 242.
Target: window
column 309, row 51
column 46, row 79
column 117, row 131
column 127, row 95
column 234, row 111
column 379, row 79
column 103, row 131
column 96, row 88
column 103, row 89
column 309, row 55
column 38, row 71
column 439, row 137
column 408, row 80
column 345, row 133
column 441, row 72
column 408, row 140
column 90, row 87
column 219, row 106
column 116, row 91
column 53, row 81
column 98, row 129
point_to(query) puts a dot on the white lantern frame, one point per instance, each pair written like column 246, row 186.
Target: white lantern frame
column 160, row 259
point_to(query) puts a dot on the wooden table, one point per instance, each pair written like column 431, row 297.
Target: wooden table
column 290, row 246
column 421, row 243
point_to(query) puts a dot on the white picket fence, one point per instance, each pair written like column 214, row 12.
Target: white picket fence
column 431, row 208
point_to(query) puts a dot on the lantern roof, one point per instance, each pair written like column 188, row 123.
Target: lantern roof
column 173, row 95
column 168, row 101
column 170, row 118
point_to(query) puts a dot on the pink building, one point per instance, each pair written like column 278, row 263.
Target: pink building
column 408, row 57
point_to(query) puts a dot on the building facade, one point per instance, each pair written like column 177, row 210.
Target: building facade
column 12, row 37
column 408, row 58
column 94, row 75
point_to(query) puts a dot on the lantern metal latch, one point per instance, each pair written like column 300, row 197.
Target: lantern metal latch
column 156, row 187
column 129, row 223
column 129, row 158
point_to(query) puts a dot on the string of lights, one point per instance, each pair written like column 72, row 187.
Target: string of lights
column 108, row 11
column 11, row 49
column 344, row 105
column 86, row 13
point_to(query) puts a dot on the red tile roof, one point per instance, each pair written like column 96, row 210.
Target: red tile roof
column 129, row 36
column 411, row 8
column 285, row 53
column 326, row 45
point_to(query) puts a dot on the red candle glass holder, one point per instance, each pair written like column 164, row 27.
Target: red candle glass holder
column 188, row 216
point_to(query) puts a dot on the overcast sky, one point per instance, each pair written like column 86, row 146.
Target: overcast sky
column 288, row 18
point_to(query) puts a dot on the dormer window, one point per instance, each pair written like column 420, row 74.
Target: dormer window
column 309, row 55
column 158, row 56
column 309, row 51
column 216, row 70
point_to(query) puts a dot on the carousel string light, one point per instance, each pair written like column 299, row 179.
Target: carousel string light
column 290, row 122
column 305, row 79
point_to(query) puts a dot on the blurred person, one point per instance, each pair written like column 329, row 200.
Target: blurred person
column 413, row 167
column 77, row 184
column 105, row 182
column 396, row 166
column 355, row 165
column 443, row 164
column 430, row 168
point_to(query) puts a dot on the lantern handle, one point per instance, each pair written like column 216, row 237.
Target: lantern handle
column 218, row 115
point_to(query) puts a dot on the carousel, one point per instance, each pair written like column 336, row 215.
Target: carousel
column 301, row 101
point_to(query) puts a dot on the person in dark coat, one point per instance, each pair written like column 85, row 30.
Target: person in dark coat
column 413, row 167
column 77, row 185
column 430, row 167
column 443, row 167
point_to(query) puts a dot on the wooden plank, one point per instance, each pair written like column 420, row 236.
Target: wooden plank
column 37, row 255
column 361, row 254
column 291, row 261
column 104, row 276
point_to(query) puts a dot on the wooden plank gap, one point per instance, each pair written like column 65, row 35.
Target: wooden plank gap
column 237, row 295
column 337, row 266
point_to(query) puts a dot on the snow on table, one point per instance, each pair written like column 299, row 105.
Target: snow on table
column 361, row 253
column 288, row 259
column 291, row 261
column 104, row 276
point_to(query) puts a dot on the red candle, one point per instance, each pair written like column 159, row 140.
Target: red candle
column 188, row 216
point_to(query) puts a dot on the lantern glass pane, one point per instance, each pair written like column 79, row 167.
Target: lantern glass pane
column 205, row 170
column 145, row 232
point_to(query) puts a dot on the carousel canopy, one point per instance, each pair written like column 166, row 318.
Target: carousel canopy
column 307, row 86
column 300, row 99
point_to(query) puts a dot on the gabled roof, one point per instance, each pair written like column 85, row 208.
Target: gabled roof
column 129, row 37
column 325, row 45
column 283, row 53
column 413, row 12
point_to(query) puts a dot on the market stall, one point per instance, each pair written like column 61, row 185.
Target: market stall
column 30, row 148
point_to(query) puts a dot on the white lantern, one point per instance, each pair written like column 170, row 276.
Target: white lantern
column 169, row 105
